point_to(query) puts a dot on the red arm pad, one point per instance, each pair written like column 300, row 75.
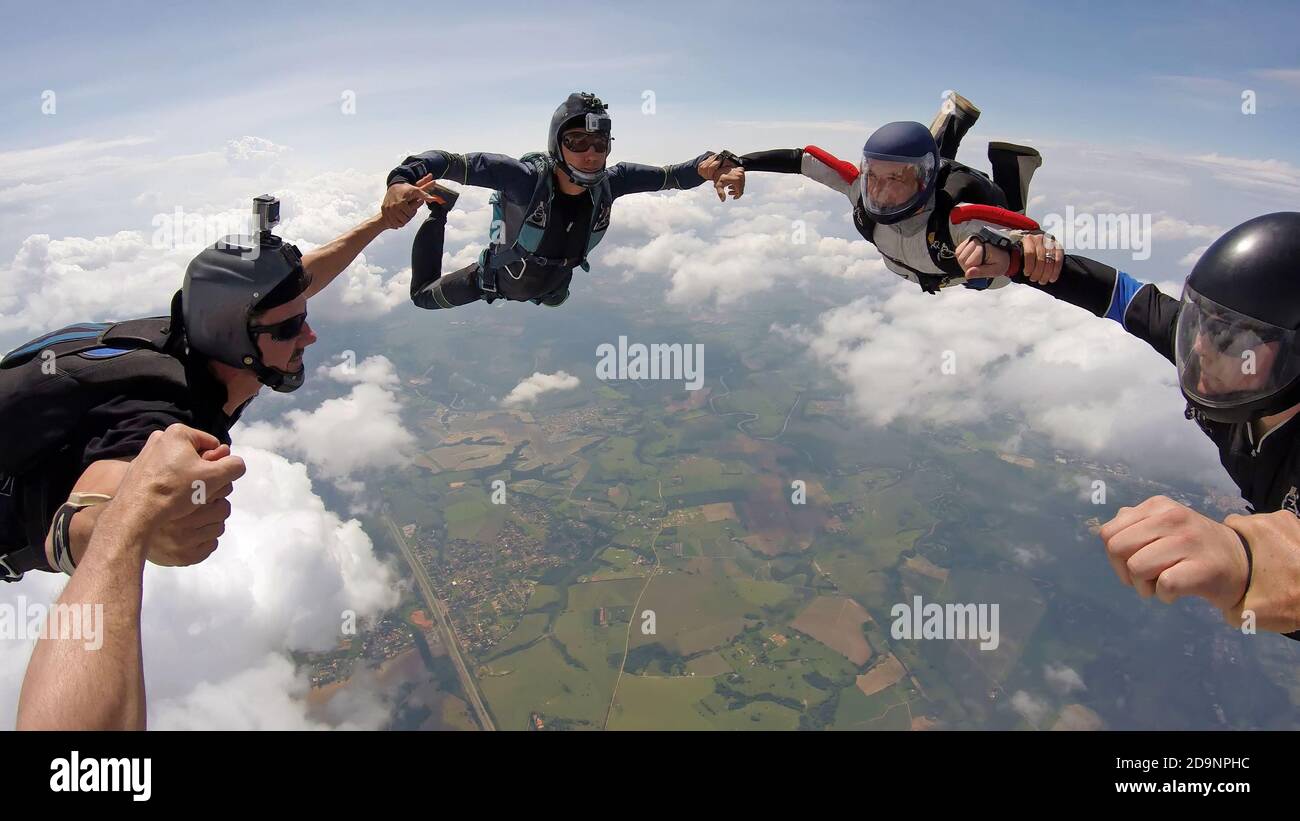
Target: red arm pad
column 989, row 213
column 847, row 170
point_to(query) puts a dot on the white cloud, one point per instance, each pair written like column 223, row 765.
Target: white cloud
column 779, row 233
column 1063, row 679
column 344, row 435
column 53, row 281
column 1171, row 229
column 73, row 157
column 1031, row 708
column 1028, row 555
column 376, row 370
column 253, row 148
column 1193, row 256
column 1274, row 176
column 1289, row 76
column 531, row 389
column 1081, row 380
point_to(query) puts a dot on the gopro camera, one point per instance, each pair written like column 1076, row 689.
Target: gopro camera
column 266, row 209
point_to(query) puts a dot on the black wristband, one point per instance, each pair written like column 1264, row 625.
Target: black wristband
column 61, row 535
column 1250, row 564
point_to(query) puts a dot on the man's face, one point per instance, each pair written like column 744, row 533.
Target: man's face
column 1238, row 369
column 891, row 184
column 590, row 160
column 284, row 354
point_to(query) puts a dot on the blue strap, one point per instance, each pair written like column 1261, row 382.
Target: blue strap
column 105, row 353
column 52, row 339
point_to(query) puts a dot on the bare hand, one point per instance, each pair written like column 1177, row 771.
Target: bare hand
column 174, row 494
column 1163, row 548
column 403, row 200
column 725, row 174
column 982, row 261
column 1043, row 258
column 730, row 180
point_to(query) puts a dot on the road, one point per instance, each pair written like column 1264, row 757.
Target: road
column 636, row 608
column 449, row 640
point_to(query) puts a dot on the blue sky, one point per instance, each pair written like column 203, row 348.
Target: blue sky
column 149, row 97
column 1166, row 73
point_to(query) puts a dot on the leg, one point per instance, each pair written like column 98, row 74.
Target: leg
column 1013, row 168
column 426, row 251
column 956, row 116
column 455, row 289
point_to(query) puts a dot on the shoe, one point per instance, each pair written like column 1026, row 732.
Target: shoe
column 446, row 199
column 955, row 117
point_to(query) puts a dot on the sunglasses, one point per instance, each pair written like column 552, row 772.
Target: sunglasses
column 581, row 142
column 282, row 331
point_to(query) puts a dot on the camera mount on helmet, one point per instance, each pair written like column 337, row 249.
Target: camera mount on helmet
column 223, row 286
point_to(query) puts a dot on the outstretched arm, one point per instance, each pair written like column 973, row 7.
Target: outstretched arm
column 813, row 162
column 495, row 171
column 325, row 263
column 636, row 178
column 1140, row 308
column 408, row 181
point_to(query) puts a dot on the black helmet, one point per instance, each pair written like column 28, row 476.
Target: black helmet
column 581, row 110
column 1236, row 341
column 222, row 286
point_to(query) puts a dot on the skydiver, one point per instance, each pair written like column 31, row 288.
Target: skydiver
column 919, row 207
column 549, row 210
column 78, row 404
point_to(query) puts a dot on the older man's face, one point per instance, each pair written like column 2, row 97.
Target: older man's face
column 891, row 184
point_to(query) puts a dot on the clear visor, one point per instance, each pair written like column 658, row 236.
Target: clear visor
column 1226, row 359
column 893, row 185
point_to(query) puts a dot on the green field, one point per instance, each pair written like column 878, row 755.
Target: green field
column 661, row 704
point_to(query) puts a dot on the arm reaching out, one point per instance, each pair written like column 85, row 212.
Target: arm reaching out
column 409, row 182
column 813, row 162
column 325, row 263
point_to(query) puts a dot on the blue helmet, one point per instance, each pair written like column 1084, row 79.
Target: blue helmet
column 905, row 158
